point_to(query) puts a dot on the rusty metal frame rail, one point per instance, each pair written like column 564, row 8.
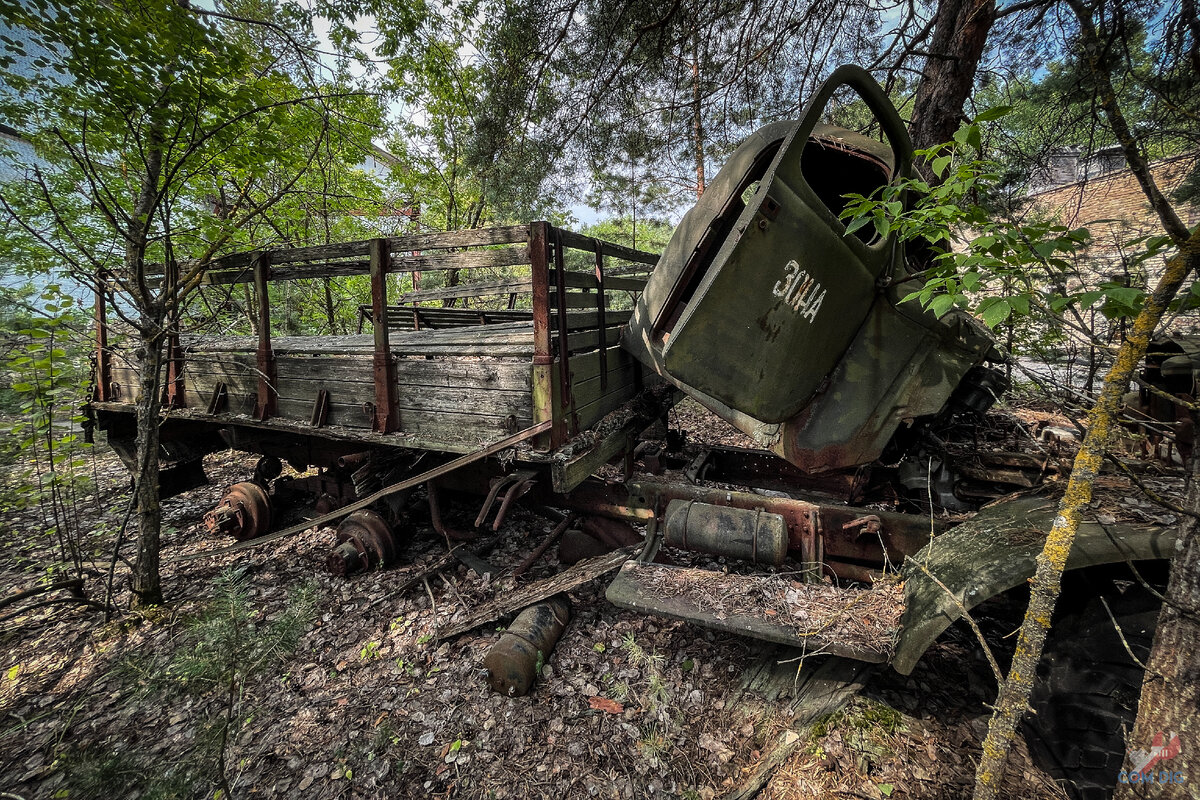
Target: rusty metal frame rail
column 408, row 483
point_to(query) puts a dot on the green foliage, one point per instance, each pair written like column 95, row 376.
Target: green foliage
column 94, row 774
column 650, row 235
column 227, row 640
column 997, row 268
column 40, row 395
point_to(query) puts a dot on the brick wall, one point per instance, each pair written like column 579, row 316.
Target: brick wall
column 1114, row 209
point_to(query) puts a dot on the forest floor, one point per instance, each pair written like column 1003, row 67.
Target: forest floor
column 264, row 675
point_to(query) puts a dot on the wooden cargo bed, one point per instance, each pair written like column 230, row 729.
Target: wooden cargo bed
column 446, row 384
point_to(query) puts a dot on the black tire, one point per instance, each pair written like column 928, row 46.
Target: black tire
column 1088, row 688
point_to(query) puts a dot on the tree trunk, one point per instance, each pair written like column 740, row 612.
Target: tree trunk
column 1171, row 688
column 154, row 310
column 698, row 124
column 147, row 590
column 960, row 31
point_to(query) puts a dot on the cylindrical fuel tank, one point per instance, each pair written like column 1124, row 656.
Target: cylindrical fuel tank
column 747, row 534
column 512, row 663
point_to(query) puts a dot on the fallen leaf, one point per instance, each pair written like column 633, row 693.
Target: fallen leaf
column 604, row 704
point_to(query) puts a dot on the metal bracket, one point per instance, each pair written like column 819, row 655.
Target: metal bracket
column 219, row 398
column 320, row 412
column 653, row 540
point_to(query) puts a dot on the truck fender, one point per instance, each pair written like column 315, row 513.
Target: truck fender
column 996, row 551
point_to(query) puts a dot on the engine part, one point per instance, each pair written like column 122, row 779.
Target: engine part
column 243, row 513
column 979, row 390
column 365, row 541
column 750, row 535
column 512, row 663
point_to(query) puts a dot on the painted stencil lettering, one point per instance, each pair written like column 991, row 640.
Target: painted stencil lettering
column 800, row 290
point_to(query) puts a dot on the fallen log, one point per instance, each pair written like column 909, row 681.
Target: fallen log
column 817, row 693
column 75, row 585
column 511, row 602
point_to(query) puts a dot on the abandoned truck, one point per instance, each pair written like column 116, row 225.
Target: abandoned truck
column 552, row 367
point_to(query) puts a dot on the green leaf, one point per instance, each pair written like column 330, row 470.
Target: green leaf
column 974, row 138
column 885, row 789
column 854, row 225
column 941, row 304
column 996, row 313
column 993, row 113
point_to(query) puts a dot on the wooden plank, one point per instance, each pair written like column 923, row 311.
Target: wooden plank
column 474, row 259
column 817, row 693
column 321, row 252
column 577, row 241
column 580, row 300
column 589, row 390
column 236, row 372
column 302, row 270
column 348, row 415
column 350, row 392
column 236, row 402
column 491, row 402
column 478, row 237
column 125, row 379
column 418, row 421
column 590, row 320
column 231, row 261
column 444, row 426
column 591, row 413
column 586, row 280
column 471, row 259
column 409, row 318
column 501, row 340
column 487, row 396
column 513, row 601
column 567, row 474
column 469, row 290
column 499, row 374
column 590, row 340
column 329, row 368
column 587, row 365
column 297, row 268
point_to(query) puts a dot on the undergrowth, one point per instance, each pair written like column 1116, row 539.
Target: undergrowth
column 221, row 649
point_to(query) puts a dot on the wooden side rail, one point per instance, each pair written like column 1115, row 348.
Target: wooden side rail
column 419, row 318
